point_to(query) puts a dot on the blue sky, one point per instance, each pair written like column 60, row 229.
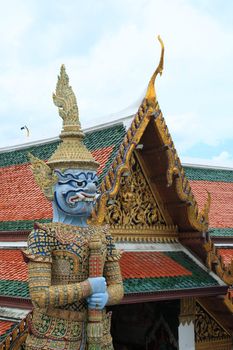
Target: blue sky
column 110, row 52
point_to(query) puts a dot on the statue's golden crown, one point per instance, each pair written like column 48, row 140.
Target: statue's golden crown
column 71, row 152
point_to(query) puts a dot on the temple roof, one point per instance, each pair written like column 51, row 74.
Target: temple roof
column 22, row 201
column 162, row 268
column 162, row 272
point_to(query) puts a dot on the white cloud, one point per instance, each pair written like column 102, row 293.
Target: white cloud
column 191, row 129
column 224, row 159
column 114, row 71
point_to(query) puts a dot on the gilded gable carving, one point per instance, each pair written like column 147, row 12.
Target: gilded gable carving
column 134, row 205
column 207, row 329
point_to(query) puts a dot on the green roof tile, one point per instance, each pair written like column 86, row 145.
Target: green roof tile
column 14, row 289
column 221, row 232
column 206, row 174
column 94, row 140
column 20, row 225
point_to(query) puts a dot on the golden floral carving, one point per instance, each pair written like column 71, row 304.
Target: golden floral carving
column 207, row 328
column 134, row 205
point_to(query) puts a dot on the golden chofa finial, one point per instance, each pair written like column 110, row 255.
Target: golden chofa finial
column 65, row 100
column 150, row 93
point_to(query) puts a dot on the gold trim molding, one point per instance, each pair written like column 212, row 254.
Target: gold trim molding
column 145, row 235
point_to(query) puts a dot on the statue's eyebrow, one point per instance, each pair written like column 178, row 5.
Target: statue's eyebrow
column 67, row 176
column 77, row 176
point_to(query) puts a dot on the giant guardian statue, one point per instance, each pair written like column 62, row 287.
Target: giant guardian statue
column 73, row 264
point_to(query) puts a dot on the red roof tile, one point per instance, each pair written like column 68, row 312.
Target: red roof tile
column 5, row 326
column 226, row 255
column 12, row 265
column 150, row 264
column 221, row 209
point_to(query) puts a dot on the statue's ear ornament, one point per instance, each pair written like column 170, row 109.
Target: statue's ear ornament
column 43, row 175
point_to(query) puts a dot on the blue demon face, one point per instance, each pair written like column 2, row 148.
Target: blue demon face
column 75, row 192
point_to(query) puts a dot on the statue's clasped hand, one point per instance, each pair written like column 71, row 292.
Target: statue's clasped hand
column 99, row 297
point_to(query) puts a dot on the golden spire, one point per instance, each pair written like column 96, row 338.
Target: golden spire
column 150, row 93
column 66, row 102
column 71, row 152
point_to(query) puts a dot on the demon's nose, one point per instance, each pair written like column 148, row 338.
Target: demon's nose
column 91, row 188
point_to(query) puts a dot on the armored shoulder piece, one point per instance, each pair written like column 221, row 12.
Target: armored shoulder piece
column 40, row 244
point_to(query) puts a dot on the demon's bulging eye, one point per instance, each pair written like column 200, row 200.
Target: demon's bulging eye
column 81, row 183
column 95, row 183
column 73, row 183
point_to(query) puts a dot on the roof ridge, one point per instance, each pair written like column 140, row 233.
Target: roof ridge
column 123, row 120
column 206, row 166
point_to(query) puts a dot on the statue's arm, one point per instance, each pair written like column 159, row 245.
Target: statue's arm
column 113, row 277
column 112, row 271
column 43, row 294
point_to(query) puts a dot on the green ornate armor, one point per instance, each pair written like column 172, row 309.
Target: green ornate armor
column 58, row 272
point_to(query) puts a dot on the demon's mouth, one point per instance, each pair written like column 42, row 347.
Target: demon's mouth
column 82, row 197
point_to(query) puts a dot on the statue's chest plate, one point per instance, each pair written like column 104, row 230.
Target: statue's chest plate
column 70, row 255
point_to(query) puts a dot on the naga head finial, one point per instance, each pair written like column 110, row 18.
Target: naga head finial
column 150, row 93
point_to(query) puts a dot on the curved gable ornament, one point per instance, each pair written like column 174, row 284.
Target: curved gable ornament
column 111, row 182
column 148, row 111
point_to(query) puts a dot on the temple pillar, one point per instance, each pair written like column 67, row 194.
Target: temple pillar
column 186, row 334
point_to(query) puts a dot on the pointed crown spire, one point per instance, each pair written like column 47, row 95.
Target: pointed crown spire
column 71, row 152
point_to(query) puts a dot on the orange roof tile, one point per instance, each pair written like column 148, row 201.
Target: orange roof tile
column 21, row 198
column 221, row 209
column 5, row 326
column 150, row 264
column 226, row 255
column 102, row 156
column 12, row 265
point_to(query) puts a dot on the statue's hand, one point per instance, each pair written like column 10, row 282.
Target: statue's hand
column 98, row 284
column 97, row 300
